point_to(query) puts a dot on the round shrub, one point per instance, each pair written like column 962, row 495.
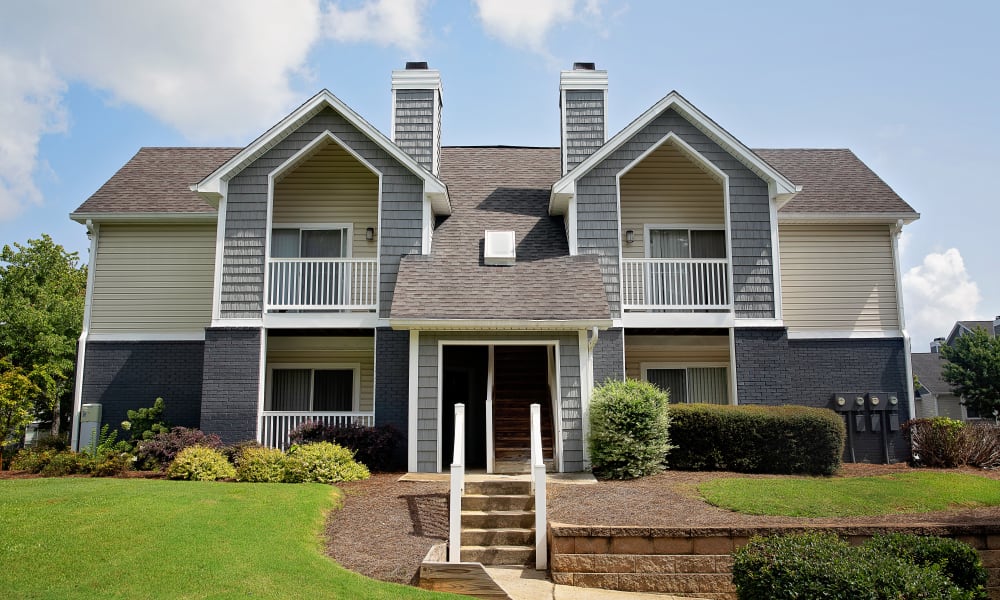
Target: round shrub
column 322, row 462
column 261, row 465
column 959, row 562
column 629, row 429
column 199, row 463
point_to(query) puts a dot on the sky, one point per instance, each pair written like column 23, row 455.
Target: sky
column 911, row 88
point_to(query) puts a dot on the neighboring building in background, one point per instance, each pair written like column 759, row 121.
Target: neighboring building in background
column 932, row 394
column 328, row 271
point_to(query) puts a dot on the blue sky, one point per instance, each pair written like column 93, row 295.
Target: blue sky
column 909, row 87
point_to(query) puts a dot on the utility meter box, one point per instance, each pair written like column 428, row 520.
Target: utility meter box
column 90, row 426
column 843, row 401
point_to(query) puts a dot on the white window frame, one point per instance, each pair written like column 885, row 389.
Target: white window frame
column 645, row 367
column 348, row 229
column 648, row 240
column 355, row 384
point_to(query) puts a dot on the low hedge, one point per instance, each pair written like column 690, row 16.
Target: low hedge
column 821, row 565
column 373, row 447
column 756, row 439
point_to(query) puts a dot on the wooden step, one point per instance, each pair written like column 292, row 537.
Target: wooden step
column 497, row 519
column 499, row 487
column 487, row 502
column 499, row 555
column 505, row 536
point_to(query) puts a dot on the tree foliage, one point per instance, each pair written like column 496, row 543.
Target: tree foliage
column 42, row 294
column 973, row 370
column 17, row 393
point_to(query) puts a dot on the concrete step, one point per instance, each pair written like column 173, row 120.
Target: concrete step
column 507, row 536
column 487, row 502
column 500, row 487
column 499, row 555
column 497, row 519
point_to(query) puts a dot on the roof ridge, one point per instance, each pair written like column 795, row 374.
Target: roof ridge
column 505, row 146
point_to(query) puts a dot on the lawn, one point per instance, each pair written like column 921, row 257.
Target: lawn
column 852, row 496
column 134, row 538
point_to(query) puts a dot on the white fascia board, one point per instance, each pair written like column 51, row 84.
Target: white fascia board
column 758, row 323
column 149, row 217
column 782, row 186
column 832, row 334
column 498, row 324
column 210, row 188
column 846, row 217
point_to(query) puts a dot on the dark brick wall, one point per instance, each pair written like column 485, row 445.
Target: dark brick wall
column 230, row 383
column 124, row 376
column 609, row 356
column 392, row 384
column 773, row 370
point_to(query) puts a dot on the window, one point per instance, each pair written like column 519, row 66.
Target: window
column 313, row 389
column 292, row 242
column 686, row 385
column 320, row 282
column 677, row 281
column 687, row 243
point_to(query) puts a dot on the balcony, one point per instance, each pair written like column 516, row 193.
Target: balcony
column 676, row 284
column 322, row 284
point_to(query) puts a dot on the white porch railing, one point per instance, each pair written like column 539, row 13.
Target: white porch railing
column 675, row 284
column 457, row 488
column 538, row 485
column 322, row 283
column 275, row 425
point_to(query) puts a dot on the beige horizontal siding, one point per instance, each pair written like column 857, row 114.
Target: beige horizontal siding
column 667, row 188
column 332, row 350
column 153, row 278
column 838, row 277
column 680, row 350
column 330, row 187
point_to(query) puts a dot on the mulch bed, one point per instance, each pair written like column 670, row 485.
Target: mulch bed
column 386, row 526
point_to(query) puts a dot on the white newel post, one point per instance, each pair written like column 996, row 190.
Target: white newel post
column 538, row 482
column 457, row 488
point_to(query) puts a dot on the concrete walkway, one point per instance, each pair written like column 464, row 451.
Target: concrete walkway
column 522, row 583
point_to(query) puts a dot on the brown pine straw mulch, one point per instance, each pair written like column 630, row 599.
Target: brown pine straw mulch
column 386, row 526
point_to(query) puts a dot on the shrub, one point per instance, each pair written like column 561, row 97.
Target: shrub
column 111, row 465
column 629, row 429
column 162, row 449
column 261, row 465
column 820, row 565
column 32, row 460
column 146, row 423
column 200, row 463
column 756, row 439
column 948, row 443
column 68, row 463
column 322, row 462
column 52, row 442
column 234, row 452
column 372, row 446
column 958, row 561
column 982, row 445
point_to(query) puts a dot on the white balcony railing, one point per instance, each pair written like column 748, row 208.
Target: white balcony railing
column 275, row 425
column 675, row 284
column 322, row 283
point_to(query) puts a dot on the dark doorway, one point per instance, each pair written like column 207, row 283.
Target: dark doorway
column 464, row 378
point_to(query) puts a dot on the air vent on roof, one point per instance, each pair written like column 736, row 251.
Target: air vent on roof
column 499, row 248
column 584, row 66
column 416, row 66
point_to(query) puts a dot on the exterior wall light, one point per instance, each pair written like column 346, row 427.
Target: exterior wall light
column 629, row 236
column 370, row 234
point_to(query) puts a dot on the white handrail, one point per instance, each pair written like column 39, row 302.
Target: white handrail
column 538, row 483
column 676, row 283
column 457, row 488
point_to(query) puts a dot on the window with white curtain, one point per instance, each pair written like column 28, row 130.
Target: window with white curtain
column 686, row 385
column 291, row 242
column 316, row 390
column 687, row 243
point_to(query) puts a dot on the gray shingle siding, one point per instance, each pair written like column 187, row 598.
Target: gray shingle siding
column 123, row 376
column 585, row 127
column 773, row 370
column 609, row 356
column 231, row 383
column 246, row 216
column 569, row 379
column 749, row 212
column 392, row 377
column 414, row 128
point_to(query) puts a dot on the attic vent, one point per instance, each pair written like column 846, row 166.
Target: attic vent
column 499, row 248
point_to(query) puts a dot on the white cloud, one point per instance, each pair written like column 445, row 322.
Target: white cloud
column 384, row 22
column 525, row 23
column 937, row 293
column 29, row 107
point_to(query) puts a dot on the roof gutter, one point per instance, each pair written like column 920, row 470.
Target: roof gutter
column 150, row 217
column 893, row 218
column 500, row 324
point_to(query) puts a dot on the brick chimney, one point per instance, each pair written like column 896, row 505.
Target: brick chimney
column 583, row 99
column 416, row 113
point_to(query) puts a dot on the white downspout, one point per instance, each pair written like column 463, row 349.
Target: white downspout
column 92, row 232
column 896, row 230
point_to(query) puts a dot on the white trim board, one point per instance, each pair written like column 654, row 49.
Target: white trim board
column 830, row 334
column 149, row 336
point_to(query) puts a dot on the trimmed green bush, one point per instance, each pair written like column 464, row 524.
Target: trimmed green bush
column 959, row 562
column 322, row 462
column 629, row 429
column 261, row 465
column 68, row 463
column 756, row 439
column 32, row 459
column 820, row 565
column 198, row 463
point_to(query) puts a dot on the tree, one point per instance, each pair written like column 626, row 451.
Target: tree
column 42, row 295
column 973, row 370
column 16, row 402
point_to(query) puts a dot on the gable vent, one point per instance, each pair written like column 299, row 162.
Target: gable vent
column 499, row 248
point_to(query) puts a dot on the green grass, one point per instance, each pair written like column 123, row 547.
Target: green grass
column 133, row 538
column 852, row 496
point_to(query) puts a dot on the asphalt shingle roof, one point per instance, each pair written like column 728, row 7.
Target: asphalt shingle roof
column 156, row 180
column 927, row 366
column 500, row 188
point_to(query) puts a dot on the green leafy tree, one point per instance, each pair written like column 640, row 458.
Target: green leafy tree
column 17, row 393
column 973, row 370
column 42, row 294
